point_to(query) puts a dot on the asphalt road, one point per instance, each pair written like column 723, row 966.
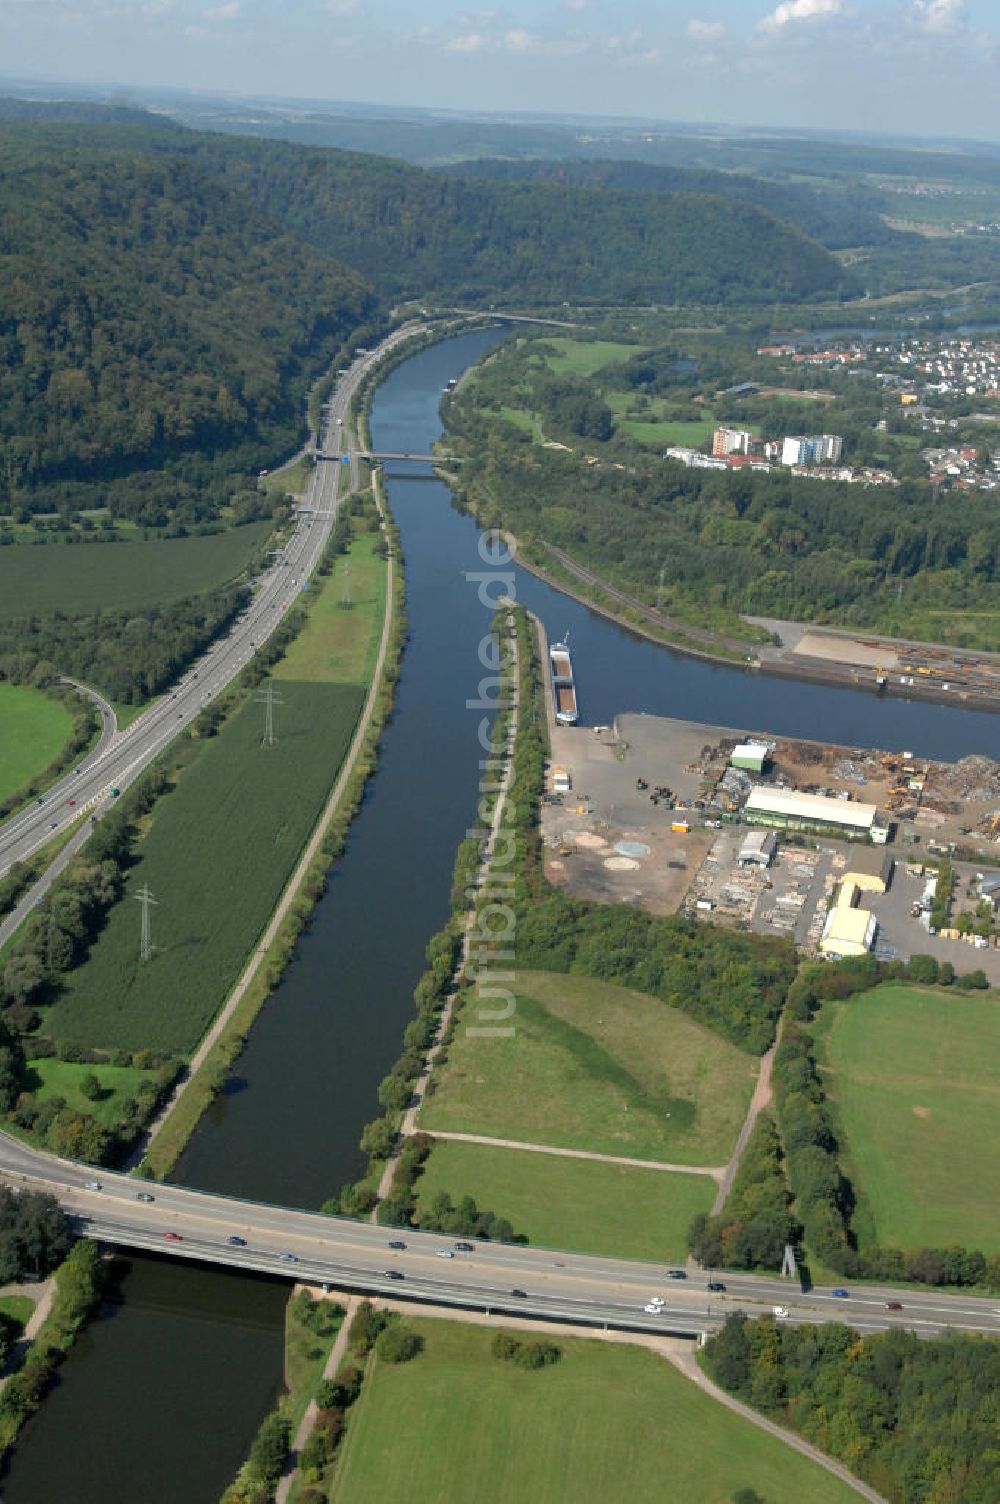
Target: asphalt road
column 118, row 761
column 567, row 1286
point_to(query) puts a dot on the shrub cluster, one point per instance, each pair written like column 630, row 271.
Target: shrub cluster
column 756, row 1223
column 370, row 1329
column 465, row 1220
column 532, row 1355
column 79, row 1283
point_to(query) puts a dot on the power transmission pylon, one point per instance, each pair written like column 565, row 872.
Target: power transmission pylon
column 269, row 698
column 146, row 943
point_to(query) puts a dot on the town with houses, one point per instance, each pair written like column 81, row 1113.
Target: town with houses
column 937, row 379
column 814, row 455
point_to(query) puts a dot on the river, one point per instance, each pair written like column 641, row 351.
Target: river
column 145, row 1383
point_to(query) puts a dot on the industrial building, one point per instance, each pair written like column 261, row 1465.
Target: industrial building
column 811, row 449
column 758, row 848
column 816, row 814
column 753, row 757
column 869, row 869
column 847, row 932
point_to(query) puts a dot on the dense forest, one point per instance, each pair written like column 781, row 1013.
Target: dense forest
column 838, row 216
column 147, row 309
column 129, row 655
column 418, row 233
column 916, row 1419
column 165, row 296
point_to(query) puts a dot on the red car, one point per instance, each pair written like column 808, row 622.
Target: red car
column 174, row 1237
column 70, row 801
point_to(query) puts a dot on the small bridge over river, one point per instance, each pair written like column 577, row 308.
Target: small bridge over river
column 377, row 455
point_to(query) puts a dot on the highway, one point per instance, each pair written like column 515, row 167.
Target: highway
column 118, row 761
column 525, row 1282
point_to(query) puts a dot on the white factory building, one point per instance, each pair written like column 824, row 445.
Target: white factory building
column 786, row 809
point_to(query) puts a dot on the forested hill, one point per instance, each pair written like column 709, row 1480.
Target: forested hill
column 165, row 296
column 147, row 309
column 420, row 233
column 841, row 215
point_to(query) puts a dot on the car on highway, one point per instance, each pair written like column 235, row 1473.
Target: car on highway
column 840, row 1293
column 236, row 1242
column 91, row 1185
column 144, row 1196
column 392, row 1273
column 653, row 1309
column 676, row 1274
column 397, row 1243
column 444, row 1253
column 781, row 1312
column 521, row 1294
column 894, row 1305
column 657, row 1300
column 174, row 1237
column 70, row 801
column 290, row 1258
column 715, row 1285
column 466, row 1247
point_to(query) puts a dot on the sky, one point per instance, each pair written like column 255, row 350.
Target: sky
column 915, row 67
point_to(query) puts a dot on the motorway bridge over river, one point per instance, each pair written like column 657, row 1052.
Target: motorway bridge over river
column 526, row 1282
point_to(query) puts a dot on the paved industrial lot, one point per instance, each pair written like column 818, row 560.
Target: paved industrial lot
column 604, row 809
column 610, row 840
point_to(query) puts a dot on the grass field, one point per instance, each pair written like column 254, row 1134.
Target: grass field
column 573, row 1203
column 112, row 576
column 584, row 357
column 687, row 435
column 61, row 1078
column 521, row 418
column 17, row 1308
column 33, row 731
column 599, row 1067
column 223, row 843
column 291, row 479
column 607, row 1422
column 655, row 429
column 332, row 650
column 913, row 1074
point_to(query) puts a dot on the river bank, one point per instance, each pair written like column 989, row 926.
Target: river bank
column 779, row 660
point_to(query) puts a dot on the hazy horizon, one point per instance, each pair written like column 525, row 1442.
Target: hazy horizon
column 906, row 68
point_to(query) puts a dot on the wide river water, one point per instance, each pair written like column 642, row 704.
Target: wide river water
column 160, row 1398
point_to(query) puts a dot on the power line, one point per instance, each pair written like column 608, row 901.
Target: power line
column 146, row 942
column 346, row 602
column 269, row 698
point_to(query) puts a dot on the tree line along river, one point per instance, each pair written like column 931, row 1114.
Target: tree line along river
column 161, row 1396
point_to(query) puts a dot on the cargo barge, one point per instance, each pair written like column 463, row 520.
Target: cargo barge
column 563, row 687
